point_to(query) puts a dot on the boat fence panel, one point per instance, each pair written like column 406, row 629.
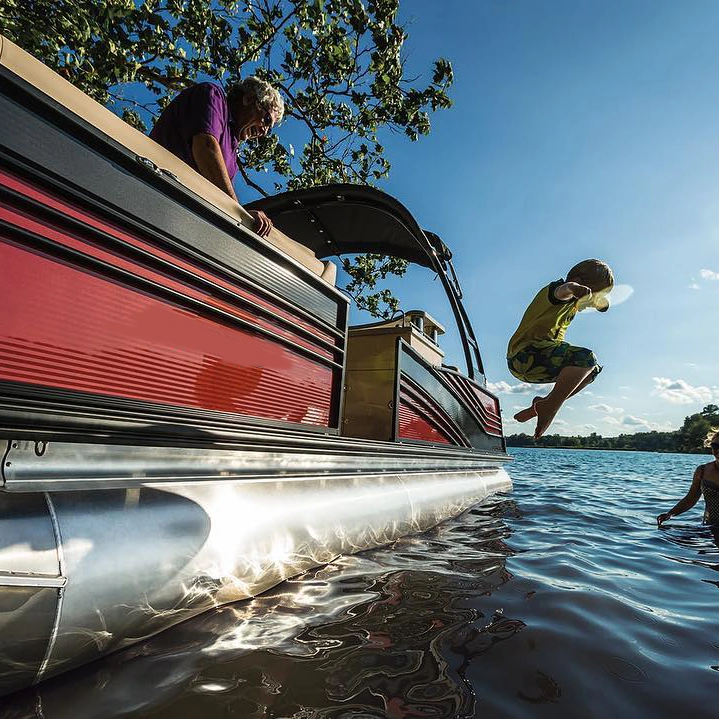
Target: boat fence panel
column 97, row 173
column 436, row 405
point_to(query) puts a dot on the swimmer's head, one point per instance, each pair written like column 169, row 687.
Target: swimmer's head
column 712, row 440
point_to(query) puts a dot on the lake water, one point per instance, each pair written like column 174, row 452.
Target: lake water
column 561, row 599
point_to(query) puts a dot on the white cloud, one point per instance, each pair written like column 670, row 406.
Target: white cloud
column 606, row 408
column 693, row 286
column 680, row 392
column 632, row 421
column 506, row 388
column 709, row 275
column 631, row 424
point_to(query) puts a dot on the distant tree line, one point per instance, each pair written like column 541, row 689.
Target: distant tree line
column 689, row 438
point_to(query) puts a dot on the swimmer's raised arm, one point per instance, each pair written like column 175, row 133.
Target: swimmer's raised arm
column 686, row 502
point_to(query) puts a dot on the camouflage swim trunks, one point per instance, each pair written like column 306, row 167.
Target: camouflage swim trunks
column 542, row 361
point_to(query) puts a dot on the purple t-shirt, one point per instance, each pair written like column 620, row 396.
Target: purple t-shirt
column 199, row 109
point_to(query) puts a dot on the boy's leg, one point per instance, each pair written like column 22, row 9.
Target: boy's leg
column 531, row 359
column 524, row 415
column 569, row 381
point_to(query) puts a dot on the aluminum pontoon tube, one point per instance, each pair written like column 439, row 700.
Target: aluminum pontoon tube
column 137, row 560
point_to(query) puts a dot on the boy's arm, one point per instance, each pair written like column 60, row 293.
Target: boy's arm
column 571, row 291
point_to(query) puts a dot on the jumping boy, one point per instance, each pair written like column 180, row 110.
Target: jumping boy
column 537, row 352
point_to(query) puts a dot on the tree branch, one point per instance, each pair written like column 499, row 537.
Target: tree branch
column 251, row 183
column 269, row 38
column 150, row 75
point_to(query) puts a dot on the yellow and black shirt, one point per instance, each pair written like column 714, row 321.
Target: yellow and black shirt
column 546, row 319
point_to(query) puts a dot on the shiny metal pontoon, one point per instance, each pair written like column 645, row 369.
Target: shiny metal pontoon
column 185, row 417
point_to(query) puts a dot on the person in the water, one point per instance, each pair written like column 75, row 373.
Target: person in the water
column 705, row 482
column 537, row 352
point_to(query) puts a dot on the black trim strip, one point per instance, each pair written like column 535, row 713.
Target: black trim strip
column 45, row 411
column 446, row 370
column 43, row 414
column 74, row 258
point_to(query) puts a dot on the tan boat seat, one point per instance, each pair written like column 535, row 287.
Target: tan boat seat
column 50, row 83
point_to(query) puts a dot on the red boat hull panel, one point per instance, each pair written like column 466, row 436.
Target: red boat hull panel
column 69, row 329
column 438, row 405
column 413, row 425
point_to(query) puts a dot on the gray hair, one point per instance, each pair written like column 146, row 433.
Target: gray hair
column 262, row 91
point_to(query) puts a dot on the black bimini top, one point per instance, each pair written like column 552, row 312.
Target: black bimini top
column 350, row 219
column 354, row 219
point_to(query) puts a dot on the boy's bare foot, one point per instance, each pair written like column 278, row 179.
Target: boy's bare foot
column 546, row 412
column 524, row 415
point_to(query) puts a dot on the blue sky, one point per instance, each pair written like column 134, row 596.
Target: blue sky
column 579, row 129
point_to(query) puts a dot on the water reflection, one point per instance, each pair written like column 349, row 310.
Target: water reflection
column 702, row 543
column 383, row 634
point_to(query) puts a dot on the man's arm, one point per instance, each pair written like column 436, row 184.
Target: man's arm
column 208, row 158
